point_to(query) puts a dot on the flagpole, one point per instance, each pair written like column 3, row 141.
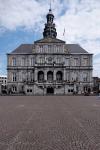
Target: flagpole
column 64, row 34
column 50, row 4
column 51, row 1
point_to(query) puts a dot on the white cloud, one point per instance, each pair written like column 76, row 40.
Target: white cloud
column 24, row 13
column 80, row 18
column 82, row 24
column 18, row 13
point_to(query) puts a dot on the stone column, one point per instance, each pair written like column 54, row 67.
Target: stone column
column 54, row 76
column 74, row 87
column 35, row 75
column 64, row 75
column 80, row 88
column 45, row 75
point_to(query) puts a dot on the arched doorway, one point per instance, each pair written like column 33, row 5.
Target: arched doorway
column 50, row 90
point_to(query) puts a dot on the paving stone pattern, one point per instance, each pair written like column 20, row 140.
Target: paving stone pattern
column 49, row 123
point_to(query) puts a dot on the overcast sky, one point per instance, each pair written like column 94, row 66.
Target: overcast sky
column 22, row 21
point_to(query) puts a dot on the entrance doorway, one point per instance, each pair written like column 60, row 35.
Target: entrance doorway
column 50, row 90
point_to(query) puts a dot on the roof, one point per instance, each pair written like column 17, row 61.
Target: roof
column 23, row 49
column 49, row 40
column 75, row 48
column 28, row 48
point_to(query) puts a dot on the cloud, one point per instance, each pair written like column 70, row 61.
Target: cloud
column 27, row 13
column 82, row 24
column 80, row 18
column 18, row 13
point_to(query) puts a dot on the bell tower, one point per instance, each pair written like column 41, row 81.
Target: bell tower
column 50, row 30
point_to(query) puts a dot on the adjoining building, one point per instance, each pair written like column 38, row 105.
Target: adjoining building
column 49, row 66
column 3, row 84
column 3, row 80
column 96, row 85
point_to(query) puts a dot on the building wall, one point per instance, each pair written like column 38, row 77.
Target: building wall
column 76, row 70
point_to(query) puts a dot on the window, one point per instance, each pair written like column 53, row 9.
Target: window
column 59, row 76
column 85, row 61
column 85, row 77
column 37, row 48
column 14, row 77
column 67, row 76
column 68, row 90
column 58, row 60
column 67, row 61
column 14, row 89
column 50, row 76
column 14, row 62
column 46, row 48
column 23, row 62
column 75, row 61
column 72, row 90
column 40, row 76
column 29, row 90
column 32, row 61
column 41, row 60
column 85, row 88
column 49, row 48
column 49, row 60
column 41, row 48
column 74, row 76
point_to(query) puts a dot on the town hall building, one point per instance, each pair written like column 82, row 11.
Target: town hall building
column 49, row 66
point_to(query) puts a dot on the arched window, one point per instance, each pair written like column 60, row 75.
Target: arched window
column 50, row 76
column 40, row 76
column 59, row 76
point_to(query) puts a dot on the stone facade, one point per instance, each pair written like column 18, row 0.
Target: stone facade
column 49, row 66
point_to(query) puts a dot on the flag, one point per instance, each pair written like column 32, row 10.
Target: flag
column 64, row 32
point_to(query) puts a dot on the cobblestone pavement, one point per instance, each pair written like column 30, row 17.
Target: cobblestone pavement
column 50, row 123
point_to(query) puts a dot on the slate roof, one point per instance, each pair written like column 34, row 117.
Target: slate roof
column 23, row 49
column 27, row 49
column 75, row 48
